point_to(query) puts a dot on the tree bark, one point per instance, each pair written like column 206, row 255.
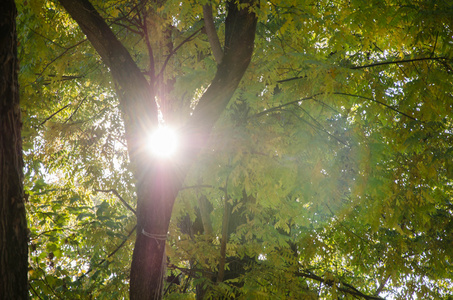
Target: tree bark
column 211, row 32
column 136, row 95
column 158, row 182
column 13, row 224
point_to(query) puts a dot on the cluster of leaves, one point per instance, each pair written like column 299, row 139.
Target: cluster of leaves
column 329, row 174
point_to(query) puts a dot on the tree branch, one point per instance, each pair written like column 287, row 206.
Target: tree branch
column 75, row 110
column 276, row 108
column 383, row 63
column 52, row 115
column 46, row 38
column 382, row 285
column 212, row 34
column 190, row 271
column 110, row 255
column 34, row 292
column 62, row 78
column 119, row 197
column 151, row 70
column 335, row 93
column 197, row 187
column 135, row 94
column 376, row 101
column 59, row 56
column 321, row 128
column 291, row 79
column 348, row 289
column 189, row 38
column 240, row 27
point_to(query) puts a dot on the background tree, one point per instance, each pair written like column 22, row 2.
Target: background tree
column 328, row 174
column 13, row 225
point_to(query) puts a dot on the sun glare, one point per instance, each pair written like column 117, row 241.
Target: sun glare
column 163, row 142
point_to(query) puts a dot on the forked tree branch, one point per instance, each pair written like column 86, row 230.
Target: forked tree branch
column 240, row 27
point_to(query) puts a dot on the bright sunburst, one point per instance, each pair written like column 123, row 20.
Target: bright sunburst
column 163, row 142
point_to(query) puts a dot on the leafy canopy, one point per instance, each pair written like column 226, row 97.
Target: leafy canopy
column 333, row 161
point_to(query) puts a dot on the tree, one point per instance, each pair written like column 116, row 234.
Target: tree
column 157, row 182
column 322, row 175
column 13, row 225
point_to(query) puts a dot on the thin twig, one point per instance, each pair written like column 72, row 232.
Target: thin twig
column 190, row 271
column 317, row 126
column 62, row 78
column 46, row 38
column 188, row 39
column 119, row 197
column 345, row 227
column 376, row 101
column 57, row 57
column 348, row 289
column 383, row 63
column 282, row 105
column 34, row 291
column 110, row 255
column 335, row 93
column 52, row 115
column 321, row 128
column 74, row 112
column 199, row 186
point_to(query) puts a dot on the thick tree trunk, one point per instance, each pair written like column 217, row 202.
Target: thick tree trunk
column 158, row 182
column 13, row 224
column 156, row 195
column 162, row 184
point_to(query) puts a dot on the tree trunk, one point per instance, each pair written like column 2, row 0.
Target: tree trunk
column 158, row 182
column 13, row 224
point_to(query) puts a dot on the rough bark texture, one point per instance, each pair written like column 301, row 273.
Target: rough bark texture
column 13, row 224
column 158, row 182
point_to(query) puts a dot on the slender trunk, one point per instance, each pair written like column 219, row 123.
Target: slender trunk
column 13, row 224
column 224, row 241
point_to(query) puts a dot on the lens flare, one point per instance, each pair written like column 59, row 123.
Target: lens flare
column 163, row 142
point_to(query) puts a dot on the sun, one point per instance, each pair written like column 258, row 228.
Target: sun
column 163, row 142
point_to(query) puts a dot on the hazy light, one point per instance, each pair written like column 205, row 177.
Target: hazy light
column 163, row 142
